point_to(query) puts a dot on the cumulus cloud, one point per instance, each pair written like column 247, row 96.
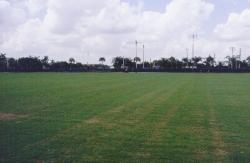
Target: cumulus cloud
column 236, row 28
column 10, row 18
column 63, row 29
column 235, row 32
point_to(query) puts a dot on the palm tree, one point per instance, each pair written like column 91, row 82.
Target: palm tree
column 102, row 60
column 137, row 59
column 231, row 61
column 72, row 60
column 248, row 60
column 3, row 61
column 209, row 61
column 45, row 62
column 196, row 60
column 186, row 62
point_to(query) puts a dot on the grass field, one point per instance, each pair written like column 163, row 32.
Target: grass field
column 124, row 117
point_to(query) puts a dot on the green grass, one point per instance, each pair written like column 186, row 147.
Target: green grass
column 63, row 117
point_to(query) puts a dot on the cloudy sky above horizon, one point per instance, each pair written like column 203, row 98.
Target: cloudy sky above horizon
column 89, row 29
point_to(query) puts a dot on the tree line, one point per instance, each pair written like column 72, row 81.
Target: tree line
column 35, row 64
column 195, row 64
column 172, row 64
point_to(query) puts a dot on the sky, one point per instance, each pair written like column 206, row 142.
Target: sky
column 89, row 29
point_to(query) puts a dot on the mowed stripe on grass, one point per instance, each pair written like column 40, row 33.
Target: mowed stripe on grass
column 125, row 117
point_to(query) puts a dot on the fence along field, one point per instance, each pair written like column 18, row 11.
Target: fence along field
column 124, row 117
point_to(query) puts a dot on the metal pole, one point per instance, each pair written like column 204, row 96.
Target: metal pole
column 232, row 57
column 136, row 43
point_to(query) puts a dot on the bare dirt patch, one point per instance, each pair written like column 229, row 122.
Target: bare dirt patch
column 94, row 120
column 200, row 154
column 10, row 116
column 219, row 150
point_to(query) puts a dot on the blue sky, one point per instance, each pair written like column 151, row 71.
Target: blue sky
column 222, row 7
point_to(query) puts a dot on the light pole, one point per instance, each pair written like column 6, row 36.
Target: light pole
column 136, row 44
column 232, row 48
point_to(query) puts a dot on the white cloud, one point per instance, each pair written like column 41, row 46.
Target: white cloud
column 236, row 28
column 10, row 18
column 63, row 29
column 235, row 32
